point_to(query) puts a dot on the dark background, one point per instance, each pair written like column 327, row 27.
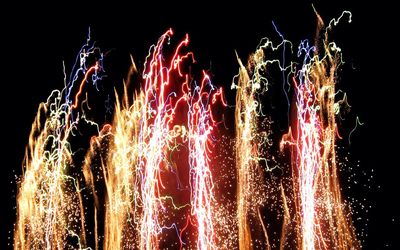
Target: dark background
column 35, row 39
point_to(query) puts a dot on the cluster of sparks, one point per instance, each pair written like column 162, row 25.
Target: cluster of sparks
column 169, row 128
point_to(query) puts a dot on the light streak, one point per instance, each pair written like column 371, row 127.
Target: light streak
column 246, row 151
column 155, row 126
column 251, row 84
column 49, row 205
column 200, row 126
column 358, row 123
column 321, row 214
column 158, row 124
column 141, row 137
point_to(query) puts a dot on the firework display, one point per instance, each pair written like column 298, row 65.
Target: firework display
column 167, row 172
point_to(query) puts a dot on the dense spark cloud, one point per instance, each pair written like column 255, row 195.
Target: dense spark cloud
column 147, row 178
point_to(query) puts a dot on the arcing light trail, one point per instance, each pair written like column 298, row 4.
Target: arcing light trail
column 123, row 197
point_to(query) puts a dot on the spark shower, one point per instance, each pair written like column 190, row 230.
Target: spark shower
column 170, row 171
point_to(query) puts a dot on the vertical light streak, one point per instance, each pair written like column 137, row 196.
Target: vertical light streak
column 322, row 220
column 120, row 177
column 308, row 161
column 251, row 84
column 245, row 120
column 153, row 138
column 49, row 205
column 200, row 126
column 119, row 171
column 141, row 137
column 157, row 132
